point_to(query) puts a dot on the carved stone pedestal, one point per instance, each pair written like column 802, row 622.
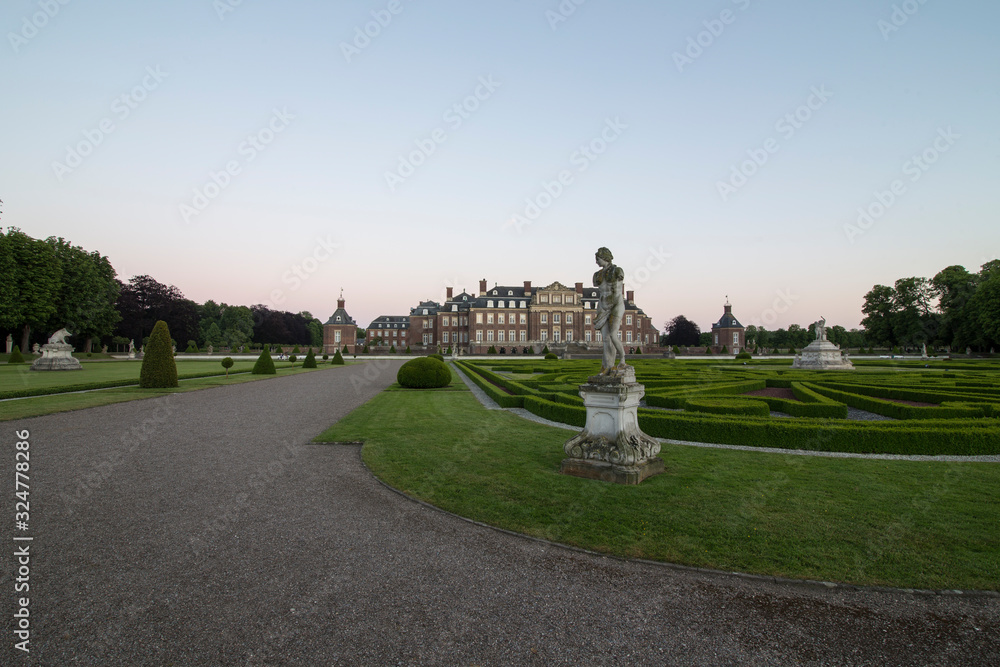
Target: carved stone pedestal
column 611, row 447
column 822, row 355
column 56, row 357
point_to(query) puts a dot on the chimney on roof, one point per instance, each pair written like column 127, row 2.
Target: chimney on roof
column 579, row 288
column 450, row 292
column 340, row 302
column 630, row 296
column 527, row 288
column 482, row 287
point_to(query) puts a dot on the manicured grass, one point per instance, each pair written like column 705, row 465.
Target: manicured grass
column 36, row 406
column 895, row 523
column 456, row 384
column 19, row 376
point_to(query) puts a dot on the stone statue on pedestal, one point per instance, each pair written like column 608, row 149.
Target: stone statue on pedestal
column 10, row 343
column 210, row 348
column 612, row 447
column 821, row 329
column 610, row 309
column 57, row 354
column 131, row 349
column 821, row 354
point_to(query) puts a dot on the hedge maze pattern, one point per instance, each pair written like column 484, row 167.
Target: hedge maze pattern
column 939, row 408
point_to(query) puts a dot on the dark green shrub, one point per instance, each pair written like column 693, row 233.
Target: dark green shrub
column 15, row 356
column 492, row 350
column 638, row 350
column 728, row 406
column 194, row 344
column 744, row 355
column 280, row 350
column 338, row 358
column 327, row 356
column 423, row 373
column 310, row 360
column 551, row 356
column 89, row 354
column 545, row 350
column 292, row 358
column 158, row 367
column 296, row 350
column 448, row 351
column 791, row 350
column 708, row 350
column 407, row 350
column 227, row 363
column 264, row 365
column 343, row 350
column 366, row 350
column 191, row 349
column 676, row 350
column 724, row 350
column 392, row 349
column 436, row 356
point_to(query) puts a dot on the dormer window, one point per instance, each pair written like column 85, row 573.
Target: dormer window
column 499, row 304
column 522, row 304
column 465, row 298
column 494, row 292
column 338, row 318
column 425, row 311
column 489, row 304
column 510, row 293
column 454, row 308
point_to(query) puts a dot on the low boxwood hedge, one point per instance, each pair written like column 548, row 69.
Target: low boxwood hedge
column 728, row 406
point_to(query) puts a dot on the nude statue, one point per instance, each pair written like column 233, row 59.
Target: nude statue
column 610, row 308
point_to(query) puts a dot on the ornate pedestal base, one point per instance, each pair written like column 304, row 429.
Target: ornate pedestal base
column 611, row 447
column 822, row 355
column 56, row 357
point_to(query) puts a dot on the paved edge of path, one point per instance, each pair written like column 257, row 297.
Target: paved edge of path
column 490, row 404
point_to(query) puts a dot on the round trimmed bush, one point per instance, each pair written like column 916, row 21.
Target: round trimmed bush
column 264, row 365
column 436, row 356
column 743, row 355
column 338, row 358
column 292, row 358
column 15, row 356
column 327, row 356
column 551, row 355
column 423, row 373
column 227, row 363
column 158, row 368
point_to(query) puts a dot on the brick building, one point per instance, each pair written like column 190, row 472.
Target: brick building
column 512, row 318
column 340, row 330
column 728, row 332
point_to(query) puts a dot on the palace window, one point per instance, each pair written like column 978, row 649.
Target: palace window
column 586, row 319
column 489, row 318
column 489, row 304
column 479, row 318
column 336, row 336
column 556, row 299
column 628, row 319
column 524, row 335
column 489, row 336
column 500, row 318
column 511, row 335
column 555, row 318
column 522, row 304
column 444, row 337
column 569, row 318
column 555, row 335
column 736, row 338
column 523, row 319
column 586, row 336
column 545, row 318
column 500, row 336
column 628, row 336
column 479, row 335
column 444, row 321
column 545, row 334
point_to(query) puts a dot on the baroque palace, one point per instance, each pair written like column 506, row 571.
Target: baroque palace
column 508, row 319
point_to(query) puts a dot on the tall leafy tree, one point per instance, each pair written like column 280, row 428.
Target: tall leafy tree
column 878, row 320
column 913, row 322
column 954, row 286
column 87, row 294
column 682, row 331
column 31, row 280
column 143, row 301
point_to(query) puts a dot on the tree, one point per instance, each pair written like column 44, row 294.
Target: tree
column 310, row 360
column 29, row 284
column 913, row 321
column 704, row 339
column 227, row 363
column 87, row 293
column 264, row 365
column 143, row 301
column 985, row 306
column 954, row 287
column 878, row 320
column 682, row 331
column 158, row 367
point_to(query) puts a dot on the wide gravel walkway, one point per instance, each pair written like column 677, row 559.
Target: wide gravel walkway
column 204, row 529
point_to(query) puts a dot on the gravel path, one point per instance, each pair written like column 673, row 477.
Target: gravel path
column 203, row 529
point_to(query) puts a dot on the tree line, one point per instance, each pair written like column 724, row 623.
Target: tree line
column 682, row 332
column 49, row 284
column 955, row 309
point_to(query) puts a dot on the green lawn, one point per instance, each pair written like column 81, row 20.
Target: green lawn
column 36, row 406
column 895, row 523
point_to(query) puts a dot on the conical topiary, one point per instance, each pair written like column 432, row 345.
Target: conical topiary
column 158, row 368
column 310, row 360
column 392, row 349
column 264, row 365
column 15, row 356
column 338, row 358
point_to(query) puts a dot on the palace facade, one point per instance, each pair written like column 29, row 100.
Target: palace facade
column 507, row 318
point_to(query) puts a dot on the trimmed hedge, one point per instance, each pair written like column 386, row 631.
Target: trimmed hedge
column 338, row 359
column 264, row 365
column 159, row 371
column 310, row 360
column 898, row 410
column 423, row 373
column 15, row 356
column 728, row 406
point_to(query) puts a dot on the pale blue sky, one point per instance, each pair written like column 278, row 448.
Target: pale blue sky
column 672, row 132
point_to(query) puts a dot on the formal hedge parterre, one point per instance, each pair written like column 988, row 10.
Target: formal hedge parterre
column 708, row 402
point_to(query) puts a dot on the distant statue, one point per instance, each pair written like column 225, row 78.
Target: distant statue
column 104, row 349
column 610, row 309
column 210, row 348
column 10, row 343
column 59, row 337
column 34, row 348
column 131, row 347
column 821, row 329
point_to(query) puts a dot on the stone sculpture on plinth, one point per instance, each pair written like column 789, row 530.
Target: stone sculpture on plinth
column 611, row 446
column 10, row 343
column 131, row 349
column 821, row 354
column 57, row 354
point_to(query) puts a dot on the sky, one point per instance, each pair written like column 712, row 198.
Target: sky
column 786, row 154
